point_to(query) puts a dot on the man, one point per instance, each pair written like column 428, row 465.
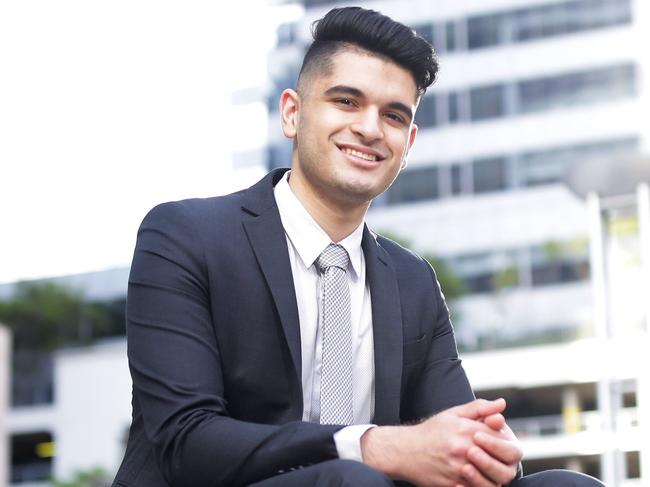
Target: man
column 274, row 340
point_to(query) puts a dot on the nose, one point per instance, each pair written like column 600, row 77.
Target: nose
column 367, row 125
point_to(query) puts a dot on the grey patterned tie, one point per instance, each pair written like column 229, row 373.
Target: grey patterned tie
column 336, row 326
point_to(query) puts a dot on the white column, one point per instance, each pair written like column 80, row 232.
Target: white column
column 643, row 215
column 5, row 366
column 597, row 266
column 571, row 410
column 643, row 384
column 574, row 464
column 602, row 331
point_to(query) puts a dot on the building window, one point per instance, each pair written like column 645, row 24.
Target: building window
column 425, row 31
column 32, row 378
column 569, row 17
column 485, row 31
column 560, row 262
column 450, row 37
column 288, row 79
column 453, row 108
column 414, row 185
column 486, row 272
column 279, row 155
column 487, row 102
column 576, row 88
column 286, row 34
column 527, row 169
column 456, row 179
column 426, row 112
column 551, row 165
column 31, row 457
column 529, row 96
column 490, row 174
column 312, row 3
column 551, row 263
column 546, row 21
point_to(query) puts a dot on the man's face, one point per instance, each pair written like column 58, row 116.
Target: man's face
column 352, row 127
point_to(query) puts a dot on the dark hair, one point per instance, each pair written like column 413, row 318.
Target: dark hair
column 373, row 32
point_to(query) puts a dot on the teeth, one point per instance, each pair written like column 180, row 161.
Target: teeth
column 362, row 155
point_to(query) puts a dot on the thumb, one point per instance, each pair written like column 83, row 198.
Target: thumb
column 479, row 408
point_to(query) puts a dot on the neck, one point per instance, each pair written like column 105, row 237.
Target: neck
column 337, row 219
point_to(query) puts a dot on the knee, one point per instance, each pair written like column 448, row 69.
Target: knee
column 349, row 473
column 558, row 478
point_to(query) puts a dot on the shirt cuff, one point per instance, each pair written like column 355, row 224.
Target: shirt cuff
column 348, row 441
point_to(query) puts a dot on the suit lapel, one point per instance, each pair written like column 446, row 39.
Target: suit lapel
column 266, row 235
column 387, row 330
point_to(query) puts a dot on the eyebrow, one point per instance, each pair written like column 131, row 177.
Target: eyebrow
column 349, row 90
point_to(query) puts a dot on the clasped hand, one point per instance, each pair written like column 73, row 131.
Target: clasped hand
column 465, row 446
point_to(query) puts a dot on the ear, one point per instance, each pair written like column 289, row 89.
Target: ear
column 289, row 112
column 412, row 134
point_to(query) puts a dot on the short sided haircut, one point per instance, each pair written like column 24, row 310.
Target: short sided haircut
column 354, row 27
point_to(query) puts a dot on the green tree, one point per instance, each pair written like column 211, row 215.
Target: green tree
column 506, row 278
column 45, row 316
column 91, row 478
column 450, row 283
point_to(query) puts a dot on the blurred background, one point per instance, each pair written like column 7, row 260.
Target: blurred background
column 527, row 189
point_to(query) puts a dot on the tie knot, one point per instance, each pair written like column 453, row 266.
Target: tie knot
column 333, row 256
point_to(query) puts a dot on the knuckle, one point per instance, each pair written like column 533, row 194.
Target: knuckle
column 457, row 448
column 464, row 428
column 516, row 455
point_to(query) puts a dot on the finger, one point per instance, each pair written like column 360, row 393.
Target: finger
column 475, row 478
column 495, row 421
column 507, row 451
column 487, row 428
column 479, row 408
column 491, row 468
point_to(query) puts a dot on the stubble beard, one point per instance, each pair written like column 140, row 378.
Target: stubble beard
column 335, row 186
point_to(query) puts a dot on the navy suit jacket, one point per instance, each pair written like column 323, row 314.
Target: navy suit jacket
column 214, row 345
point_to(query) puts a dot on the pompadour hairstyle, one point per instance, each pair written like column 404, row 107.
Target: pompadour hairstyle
column 373, row 32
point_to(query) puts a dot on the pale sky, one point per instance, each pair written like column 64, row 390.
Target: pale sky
column 108, row 108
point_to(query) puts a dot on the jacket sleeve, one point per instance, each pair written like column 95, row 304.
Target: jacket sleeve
column 441, row 382
column 175, row 364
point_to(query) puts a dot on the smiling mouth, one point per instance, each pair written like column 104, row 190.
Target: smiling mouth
column 362, row 155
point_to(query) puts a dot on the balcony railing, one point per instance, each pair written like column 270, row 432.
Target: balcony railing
column 536, row 426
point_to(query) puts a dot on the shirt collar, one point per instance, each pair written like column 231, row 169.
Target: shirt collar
column 307, row 236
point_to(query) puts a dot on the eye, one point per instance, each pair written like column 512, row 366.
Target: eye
column 395, row 117
column 345, row 101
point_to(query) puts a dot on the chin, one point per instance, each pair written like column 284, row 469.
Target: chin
column 360, row 193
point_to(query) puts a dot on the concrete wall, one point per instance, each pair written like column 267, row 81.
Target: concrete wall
column 92, row 409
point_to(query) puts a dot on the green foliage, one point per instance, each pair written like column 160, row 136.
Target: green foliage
column 91, row 478
column 508, row 277
column 46, row 316
column 450, row 283
column 555, row 250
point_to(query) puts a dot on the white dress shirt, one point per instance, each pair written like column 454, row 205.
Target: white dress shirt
column 306, row 240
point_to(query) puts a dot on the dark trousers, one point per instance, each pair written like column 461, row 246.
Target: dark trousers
column 348, row 473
